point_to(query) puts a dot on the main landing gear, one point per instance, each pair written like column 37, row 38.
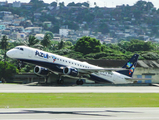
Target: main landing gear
column 79, row 82
column 60, row 80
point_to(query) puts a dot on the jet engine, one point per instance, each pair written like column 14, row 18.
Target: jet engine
column 70, row 71
column 41, row 71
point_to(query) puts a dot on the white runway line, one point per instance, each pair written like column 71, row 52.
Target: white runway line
column 13, row 88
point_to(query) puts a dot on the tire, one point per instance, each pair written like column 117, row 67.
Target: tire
column 79, row 82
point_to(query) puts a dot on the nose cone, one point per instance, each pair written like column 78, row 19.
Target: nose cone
column 10, row 53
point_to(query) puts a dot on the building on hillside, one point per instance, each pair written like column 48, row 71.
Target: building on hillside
column 40, row 36
column 8, row 18
column 4, row 3
column 16, row 4
column 63, row 32
column 48, row 24
column 33, row 30
column 2, row 27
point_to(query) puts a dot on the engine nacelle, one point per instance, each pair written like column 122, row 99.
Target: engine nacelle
column 40, row 70
column 70, row 71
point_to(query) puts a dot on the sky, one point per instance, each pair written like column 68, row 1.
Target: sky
column 100, row 3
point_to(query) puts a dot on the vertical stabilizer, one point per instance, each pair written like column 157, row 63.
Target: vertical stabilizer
column 130, row 65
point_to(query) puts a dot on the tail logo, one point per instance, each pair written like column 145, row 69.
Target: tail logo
column 131, row 70
column 129, row 64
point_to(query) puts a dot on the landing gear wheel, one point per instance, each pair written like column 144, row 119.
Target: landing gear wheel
column 79, row 82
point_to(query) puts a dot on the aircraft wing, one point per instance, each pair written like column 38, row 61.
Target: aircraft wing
column 88, row 71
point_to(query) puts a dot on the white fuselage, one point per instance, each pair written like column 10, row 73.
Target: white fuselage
column 35, row 55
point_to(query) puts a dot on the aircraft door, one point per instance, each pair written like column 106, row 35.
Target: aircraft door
column 30, row 53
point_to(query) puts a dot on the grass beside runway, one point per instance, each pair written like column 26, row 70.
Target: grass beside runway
column 56, row 100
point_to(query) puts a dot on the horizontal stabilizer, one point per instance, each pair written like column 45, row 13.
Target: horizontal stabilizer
column 133, row 79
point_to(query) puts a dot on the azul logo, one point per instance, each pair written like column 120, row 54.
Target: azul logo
column 131, row 70
column 129, row 64
column 41, row 54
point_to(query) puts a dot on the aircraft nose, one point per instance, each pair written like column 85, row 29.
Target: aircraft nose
column 10, row 53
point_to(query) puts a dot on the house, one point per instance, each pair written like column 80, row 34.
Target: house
column 16, row 23
column 27, row 5
column 86, row 33
column 21, row 35
column 4, row 13
column 8, row 17
column 19, row 29
column 33, row 29
column 37, row 15
column 39, row 36
column 63, row 32
column 3, row 3
column 47, row 23
column 16, row 4
column 19, row 19
column 6, row 32
column 2, row 27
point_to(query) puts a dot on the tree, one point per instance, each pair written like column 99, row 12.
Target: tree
column 55, row 29
column 103, row 27
column 54, row 4
column 87, row 45
column 61, row 44
column 4, row 45
column 61, row 4
column 50, row 33
column 46, row 41
column 71, row 4
column 37, row 4
column 10, row 70
column 32, row 40
column 71, row 25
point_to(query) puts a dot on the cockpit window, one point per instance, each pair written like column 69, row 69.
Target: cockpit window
column 21, row 49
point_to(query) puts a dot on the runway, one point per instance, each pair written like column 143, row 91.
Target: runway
column 80, row 114
column 15, row 88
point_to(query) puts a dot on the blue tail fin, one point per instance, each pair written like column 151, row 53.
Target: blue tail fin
column 130, row 65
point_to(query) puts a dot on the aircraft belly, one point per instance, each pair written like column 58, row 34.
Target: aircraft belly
column 100, row 78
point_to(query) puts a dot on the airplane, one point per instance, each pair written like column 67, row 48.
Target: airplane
column 48, row 62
